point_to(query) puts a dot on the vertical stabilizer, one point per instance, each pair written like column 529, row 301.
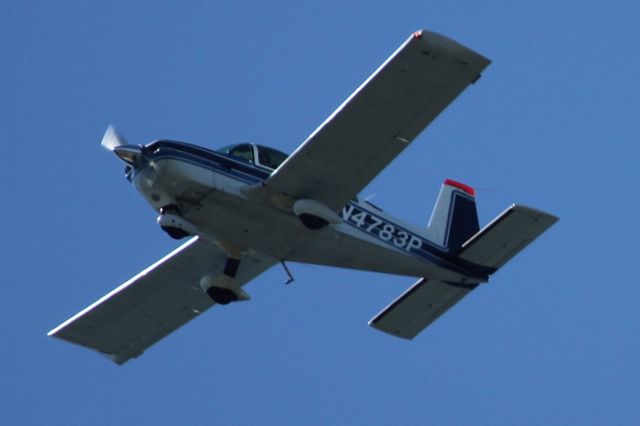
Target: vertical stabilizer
column 454, row 219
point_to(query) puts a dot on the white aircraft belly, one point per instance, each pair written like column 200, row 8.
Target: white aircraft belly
column 214, row 203
column 177, row 182
column 280, row 234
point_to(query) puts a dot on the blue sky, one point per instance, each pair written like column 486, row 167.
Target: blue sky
column 553, row 123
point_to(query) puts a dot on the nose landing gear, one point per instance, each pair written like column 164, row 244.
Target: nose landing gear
column 173, row 224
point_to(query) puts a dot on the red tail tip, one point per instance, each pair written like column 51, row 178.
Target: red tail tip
column 466, row 188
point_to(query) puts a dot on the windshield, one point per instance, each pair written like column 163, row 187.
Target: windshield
column 243, row 151
column 256, row 154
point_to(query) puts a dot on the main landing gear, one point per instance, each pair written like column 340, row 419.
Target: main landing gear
column 221, row 288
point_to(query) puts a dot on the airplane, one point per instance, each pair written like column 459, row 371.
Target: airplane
column 248, row 207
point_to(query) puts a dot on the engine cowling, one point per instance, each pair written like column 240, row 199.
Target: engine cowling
column 313, row 214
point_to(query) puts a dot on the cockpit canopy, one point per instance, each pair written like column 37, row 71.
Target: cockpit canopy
column 256, row 154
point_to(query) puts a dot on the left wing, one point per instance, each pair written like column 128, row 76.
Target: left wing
column 378, row 120
column 155, row 302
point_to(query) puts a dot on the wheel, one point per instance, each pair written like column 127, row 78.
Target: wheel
column 175, row 233
column 222, row 296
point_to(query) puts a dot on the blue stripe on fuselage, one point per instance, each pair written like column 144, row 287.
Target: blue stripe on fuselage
column 402, row 239
column 216, row 161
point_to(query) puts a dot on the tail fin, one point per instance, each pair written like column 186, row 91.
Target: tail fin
column 454, row 219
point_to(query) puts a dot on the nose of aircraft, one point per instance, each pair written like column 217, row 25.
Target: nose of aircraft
column 130, row 154
column 133, row 155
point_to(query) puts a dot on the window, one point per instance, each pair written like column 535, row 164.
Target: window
column 267, row 157
column 270, row 157
column 244, row 151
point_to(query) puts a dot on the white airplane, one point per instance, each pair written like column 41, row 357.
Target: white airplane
column 248, row 207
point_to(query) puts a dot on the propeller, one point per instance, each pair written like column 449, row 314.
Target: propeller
column 130, row 154
column 111, row 139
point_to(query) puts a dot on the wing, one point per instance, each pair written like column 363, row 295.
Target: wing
column 154, row 303
column 378, row 120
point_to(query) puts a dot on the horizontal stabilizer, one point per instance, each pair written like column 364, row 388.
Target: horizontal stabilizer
column 418, row 307
column 506, row 235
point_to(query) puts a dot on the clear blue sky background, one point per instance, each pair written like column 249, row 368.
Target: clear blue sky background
column 553, row 123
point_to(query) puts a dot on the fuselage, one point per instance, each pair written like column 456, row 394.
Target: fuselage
column 213, row 193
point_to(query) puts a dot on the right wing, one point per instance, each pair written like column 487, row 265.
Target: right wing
column 378, row 120
column 155, row 302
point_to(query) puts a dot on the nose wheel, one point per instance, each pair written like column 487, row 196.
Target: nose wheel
column 171, row 223
column 175, row 233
